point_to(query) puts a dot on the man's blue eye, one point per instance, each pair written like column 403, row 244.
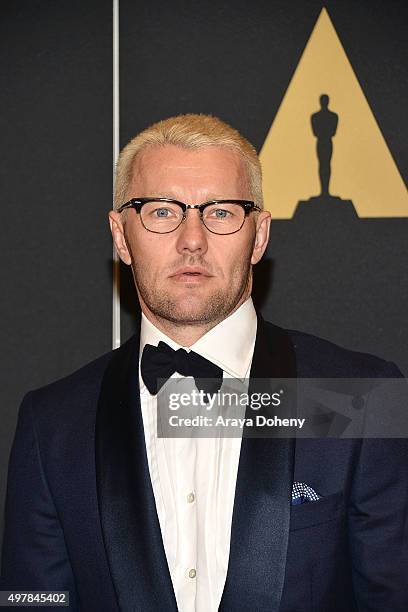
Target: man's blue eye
column 162, row 212
column 220, row 213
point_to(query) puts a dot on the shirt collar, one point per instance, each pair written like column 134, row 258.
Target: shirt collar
column 230, row 344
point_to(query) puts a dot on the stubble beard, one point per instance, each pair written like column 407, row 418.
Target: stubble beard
column 189, row 310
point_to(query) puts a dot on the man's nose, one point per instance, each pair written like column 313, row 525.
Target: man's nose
column 192, row 234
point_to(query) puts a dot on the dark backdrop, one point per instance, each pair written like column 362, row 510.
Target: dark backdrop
column 233, row 58
column 55, row 185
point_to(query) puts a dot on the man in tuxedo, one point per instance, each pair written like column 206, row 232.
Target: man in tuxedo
column 100, row 506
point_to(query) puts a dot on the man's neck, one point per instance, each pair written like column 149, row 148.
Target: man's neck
column 184, row 334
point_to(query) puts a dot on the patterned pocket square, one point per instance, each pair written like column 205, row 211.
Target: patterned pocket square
column 302, row 493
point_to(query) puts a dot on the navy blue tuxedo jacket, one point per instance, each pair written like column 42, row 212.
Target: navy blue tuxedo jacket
column 81, row 515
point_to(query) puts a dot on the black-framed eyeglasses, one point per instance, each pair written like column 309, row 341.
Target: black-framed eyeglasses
column 164, row 215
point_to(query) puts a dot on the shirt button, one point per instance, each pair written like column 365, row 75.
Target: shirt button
column 192, row 573
column 190, row 498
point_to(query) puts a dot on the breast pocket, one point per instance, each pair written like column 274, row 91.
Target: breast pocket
column 317, row 531
column 328, row 508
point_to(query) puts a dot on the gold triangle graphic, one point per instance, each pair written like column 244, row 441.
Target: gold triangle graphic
column 362, row 168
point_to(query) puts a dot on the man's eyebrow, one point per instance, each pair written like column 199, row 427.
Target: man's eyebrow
column 158, row 194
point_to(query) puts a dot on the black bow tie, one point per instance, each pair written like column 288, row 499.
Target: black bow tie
column 162, row 361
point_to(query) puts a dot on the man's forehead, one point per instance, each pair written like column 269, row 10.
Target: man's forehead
column 169, row 157
column 199, row 174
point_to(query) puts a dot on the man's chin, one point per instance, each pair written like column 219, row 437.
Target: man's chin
column 189, row 314
column 191, row 308
column 190, row 296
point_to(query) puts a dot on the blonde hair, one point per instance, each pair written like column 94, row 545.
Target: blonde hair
column 189, row 131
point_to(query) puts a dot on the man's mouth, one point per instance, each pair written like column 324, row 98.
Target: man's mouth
column 190, row 274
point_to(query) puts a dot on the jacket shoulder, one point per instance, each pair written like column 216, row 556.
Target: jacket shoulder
column 317, row 357
column 79, row 391
column 86, row 376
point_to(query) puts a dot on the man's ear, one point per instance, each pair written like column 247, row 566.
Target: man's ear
column 118, row 235
column 263, row 224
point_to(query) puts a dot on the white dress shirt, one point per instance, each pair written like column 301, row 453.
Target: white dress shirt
column 194, row 479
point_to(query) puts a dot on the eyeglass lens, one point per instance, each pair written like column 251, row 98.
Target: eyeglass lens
column 163, row 217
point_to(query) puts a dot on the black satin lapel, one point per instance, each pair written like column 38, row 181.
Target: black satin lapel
column 127, row 507
column 260, row 522
column 274, row 354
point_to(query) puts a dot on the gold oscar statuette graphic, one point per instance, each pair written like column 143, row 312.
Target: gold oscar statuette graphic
column 325, row 141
